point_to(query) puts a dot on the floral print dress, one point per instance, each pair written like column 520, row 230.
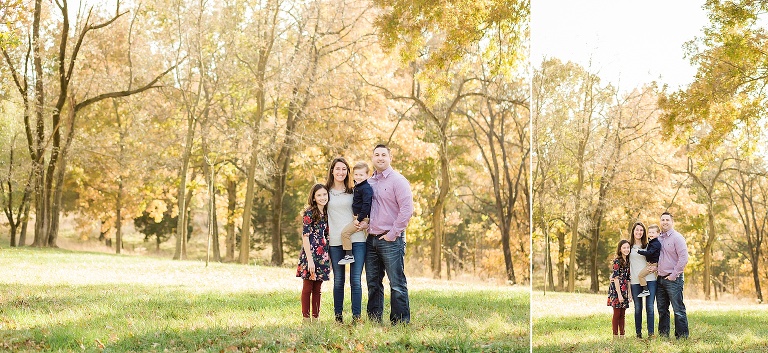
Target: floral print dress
column 622, row 273
column 318, row 242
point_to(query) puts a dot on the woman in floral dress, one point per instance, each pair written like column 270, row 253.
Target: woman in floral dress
column 316, row 268
column 619, row 293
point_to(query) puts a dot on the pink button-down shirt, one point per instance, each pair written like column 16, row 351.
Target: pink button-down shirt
column 674, row 254
column 392, row 204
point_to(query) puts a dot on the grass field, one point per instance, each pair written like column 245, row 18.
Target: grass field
column 57, row 300
column 572, row 322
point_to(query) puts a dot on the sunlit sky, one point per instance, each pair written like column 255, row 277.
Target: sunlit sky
column 628, row 43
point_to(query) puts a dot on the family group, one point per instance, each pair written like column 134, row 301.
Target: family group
column 357, row 225
column 650, row 268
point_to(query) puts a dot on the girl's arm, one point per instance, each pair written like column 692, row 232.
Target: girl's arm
column 305, row 244
column 310, row 260
column 615, row 279
column 618, row 289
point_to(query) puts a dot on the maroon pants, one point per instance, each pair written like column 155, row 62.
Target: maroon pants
column 311, row 290
column 618, row 321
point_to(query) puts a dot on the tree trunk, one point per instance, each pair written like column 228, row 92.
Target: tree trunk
column 50, row 192
column 438, row 217
column 277, row 215
column 231, row 207
column 245, row 231
column 283, row 161
column 22, row 86
column 24, row 223
column 505, row 246
column 38, row 160
column 210, row 179
column 212, row 224
column 595, row 283
column 53, row 230
column 56, row 169
column 13, row 233
column 548, row 264
column 41, row 238
column 8, row 207
column 268, row 39
column 216, row 246
column 448, row 260
column 708, row 251
column 594, row 243
column 60, row 173
column 560, row 260
column 120, row 185
column 119, row 215
column 575, row 231
column 188, row 218
column 181, row 248
column 756, row 279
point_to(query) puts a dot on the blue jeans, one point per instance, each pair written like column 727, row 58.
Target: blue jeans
column 387, row 257
column 636, row 289
column 671, row 292
column 339, row 275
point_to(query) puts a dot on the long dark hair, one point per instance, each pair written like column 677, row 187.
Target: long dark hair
column 347, row 180
column 312, row 204
column 644, row 239
column 622, row 261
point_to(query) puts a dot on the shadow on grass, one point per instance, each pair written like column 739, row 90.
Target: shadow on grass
column 143, row 318
column 722, row 331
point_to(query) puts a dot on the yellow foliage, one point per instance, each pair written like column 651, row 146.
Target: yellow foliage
column 156, row 209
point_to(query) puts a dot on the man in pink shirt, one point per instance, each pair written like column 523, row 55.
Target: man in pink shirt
column 391, row 209
column 674, row 257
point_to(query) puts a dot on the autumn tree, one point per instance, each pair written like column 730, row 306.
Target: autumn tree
column 731, row 57
column 726, row 97
column 15, row 176
column 16, row 73
column 499, row 125
column 261, row 28
column 748, row 191
column 50, row 143
column 435, row 39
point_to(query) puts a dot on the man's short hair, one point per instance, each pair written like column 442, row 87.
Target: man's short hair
column 361, row 165
column 668, row 214
column 381, row 145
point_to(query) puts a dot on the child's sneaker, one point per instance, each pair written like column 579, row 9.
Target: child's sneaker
column 348, row 259
column 644, row 293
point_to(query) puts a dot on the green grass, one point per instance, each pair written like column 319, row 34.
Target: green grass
column 55, row 300
column 572, row 322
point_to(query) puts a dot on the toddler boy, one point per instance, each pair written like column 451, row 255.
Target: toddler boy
column 361, row 208
column 652, row 253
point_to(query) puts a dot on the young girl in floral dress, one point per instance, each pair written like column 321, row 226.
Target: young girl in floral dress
column 316, row 267
column 619, row 292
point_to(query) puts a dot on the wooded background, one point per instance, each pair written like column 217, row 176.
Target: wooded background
column 127, row 112
column 605, row 157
